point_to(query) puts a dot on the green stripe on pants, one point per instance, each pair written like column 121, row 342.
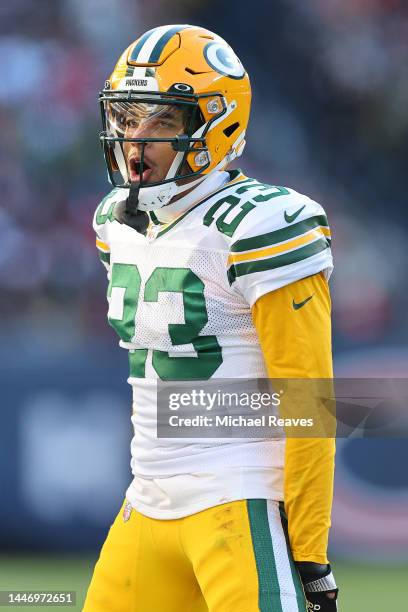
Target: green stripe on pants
column 269, row 590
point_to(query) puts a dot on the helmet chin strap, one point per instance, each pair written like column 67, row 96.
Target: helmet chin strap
column 157, row 196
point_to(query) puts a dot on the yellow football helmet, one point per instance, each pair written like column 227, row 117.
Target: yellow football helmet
column 175, row 68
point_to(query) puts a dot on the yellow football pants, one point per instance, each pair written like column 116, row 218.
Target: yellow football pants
column 228, row 558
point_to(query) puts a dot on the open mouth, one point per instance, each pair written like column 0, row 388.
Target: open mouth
column 135, row 171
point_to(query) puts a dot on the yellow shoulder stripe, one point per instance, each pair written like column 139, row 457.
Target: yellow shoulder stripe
column 318, row 232
column 237, row 179
column 102, row 246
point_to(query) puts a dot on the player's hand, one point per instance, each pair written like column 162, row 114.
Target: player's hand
column 319, row 586
column 322, row 602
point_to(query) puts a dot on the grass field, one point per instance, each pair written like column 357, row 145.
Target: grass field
column 363, row 588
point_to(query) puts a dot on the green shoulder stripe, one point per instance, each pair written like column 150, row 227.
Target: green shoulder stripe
column 260, row 265
column 104, row 257
column 285, row 233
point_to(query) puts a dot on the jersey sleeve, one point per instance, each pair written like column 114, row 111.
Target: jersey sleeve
column 300, row 347
column 101, row 221
column 284, row 237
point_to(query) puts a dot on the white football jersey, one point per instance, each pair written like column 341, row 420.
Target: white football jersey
column 180, row 299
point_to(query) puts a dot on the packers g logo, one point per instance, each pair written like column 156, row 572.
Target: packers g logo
column 223, row 59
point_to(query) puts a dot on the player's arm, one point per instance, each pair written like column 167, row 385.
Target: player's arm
column 296, row 343
column 103, row 252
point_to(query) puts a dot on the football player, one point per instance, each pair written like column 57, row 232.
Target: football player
column 212, row 275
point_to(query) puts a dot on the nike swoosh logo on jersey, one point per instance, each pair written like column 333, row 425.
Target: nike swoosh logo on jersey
column 290, row 218
column 298, row 305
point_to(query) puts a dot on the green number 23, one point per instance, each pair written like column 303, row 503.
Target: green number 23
column 126, row 278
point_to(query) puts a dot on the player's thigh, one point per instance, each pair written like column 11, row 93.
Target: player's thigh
column 111, row 587
column 242, row 560
column 141, row 568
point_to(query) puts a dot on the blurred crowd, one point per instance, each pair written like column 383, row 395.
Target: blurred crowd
column 329, row 119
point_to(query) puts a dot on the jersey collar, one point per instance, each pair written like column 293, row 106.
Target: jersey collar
column 213, row 182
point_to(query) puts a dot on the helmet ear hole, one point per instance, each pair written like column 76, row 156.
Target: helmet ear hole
column 231, row 129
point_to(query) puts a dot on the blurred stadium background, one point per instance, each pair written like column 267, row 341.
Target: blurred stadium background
column 330, row 119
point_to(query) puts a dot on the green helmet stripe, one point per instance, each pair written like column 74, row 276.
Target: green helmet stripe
column 162, row 42
column 139, row 45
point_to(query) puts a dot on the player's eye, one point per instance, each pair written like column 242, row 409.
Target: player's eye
column 166, row 123
column 131, row 123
